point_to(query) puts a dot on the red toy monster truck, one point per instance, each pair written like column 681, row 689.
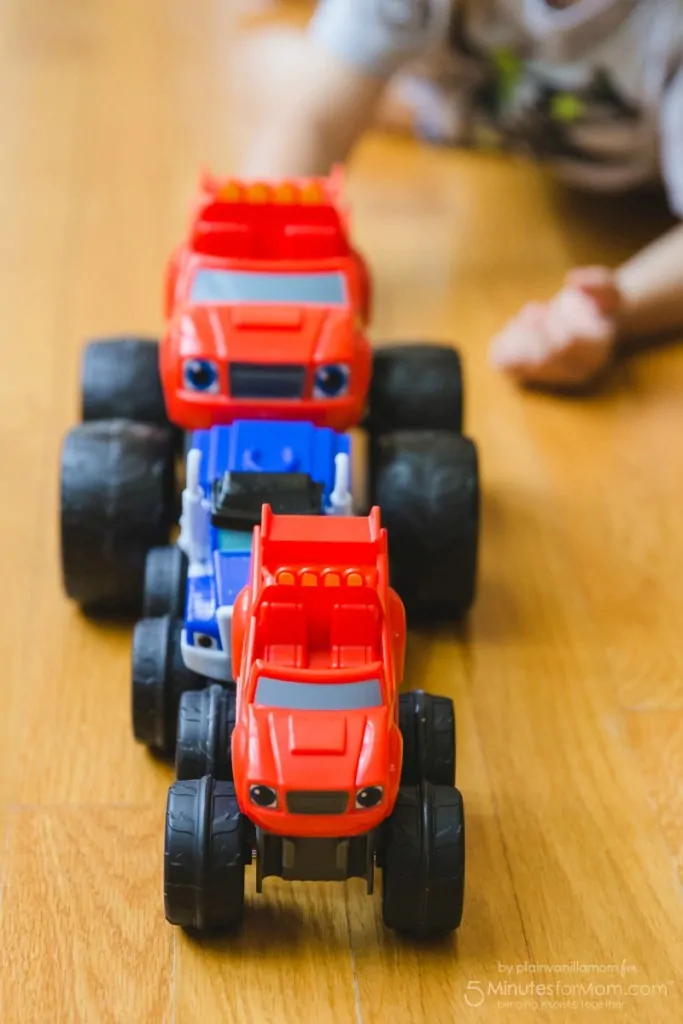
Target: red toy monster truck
column 314, row 764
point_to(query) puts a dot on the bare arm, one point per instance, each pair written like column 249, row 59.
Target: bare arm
column 598, row 312
column 327, row 107
column 651, row 287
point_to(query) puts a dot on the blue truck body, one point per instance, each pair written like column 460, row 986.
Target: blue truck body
column 214, row 582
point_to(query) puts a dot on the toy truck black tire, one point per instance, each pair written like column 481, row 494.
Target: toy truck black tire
column 204, row 856
column 159, row 678
column 117, row 502
column 423, row 861
column 426, row 483
column 165, row 582
column 416, row 387
column 428, row 728
column 206, row 719
column 120, row 379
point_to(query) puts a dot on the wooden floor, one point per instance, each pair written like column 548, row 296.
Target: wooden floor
column 568, row 677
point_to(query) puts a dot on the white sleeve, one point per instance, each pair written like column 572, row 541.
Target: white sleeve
column 379, row 36
column 672, row 142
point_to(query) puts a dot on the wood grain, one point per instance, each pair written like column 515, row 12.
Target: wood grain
column 656, row 738
column 567, row 677
column 275, row 972
column 81, row 936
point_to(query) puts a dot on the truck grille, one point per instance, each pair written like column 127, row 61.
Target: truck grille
column 316, row 801
column 248, row 380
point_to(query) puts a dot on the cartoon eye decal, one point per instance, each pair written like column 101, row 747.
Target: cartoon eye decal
column 203, row 640
column 331, row 381
column 369, row 797
column 201, row 375
column 263, row 796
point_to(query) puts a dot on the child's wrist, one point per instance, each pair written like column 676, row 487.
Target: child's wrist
column 629, row 310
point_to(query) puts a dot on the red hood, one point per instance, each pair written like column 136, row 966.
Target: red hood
column 273, row 334
column 318, row 750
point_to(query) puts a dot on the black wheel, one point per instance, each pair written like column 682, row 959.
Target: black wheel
column 120, row 380
column 204, row 856
column 117, row 502
column 159, row 679
column 428, row 729
column 165, row 582
column 427, row 486
column 416, row 387
column 206, row 719
column 424, row 861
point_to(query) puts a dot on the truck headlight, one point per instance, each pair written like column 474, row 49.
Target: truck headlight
column 201, row 375
column 263, row 796
column 369, row 797
column 331, row 381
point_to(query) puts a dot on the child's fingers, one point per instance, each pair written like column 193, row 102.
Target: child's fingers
column 572, row 317
column 519, row 345
column 536, row 357
column 577, row 364
column 532, row 313
column 563, row 343
column 566, row 371
column 522, row 338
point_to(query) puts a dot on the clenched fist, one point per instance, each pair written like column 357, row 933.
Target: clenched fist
column 567, row 342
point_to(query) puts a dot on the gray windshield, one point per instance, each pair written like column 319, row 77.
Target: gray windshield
column 238, row 286
column 280, row 693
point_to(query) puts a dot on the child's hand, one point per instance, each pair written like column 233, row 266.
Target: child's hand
column 568, row 341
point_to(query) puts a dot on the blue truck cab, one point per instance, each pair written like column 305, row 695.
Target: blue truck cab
column 232, row 471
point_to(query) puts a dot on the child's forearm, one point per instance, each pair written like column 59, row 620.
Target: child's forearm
column 292, row 149
column 301, row 146
column 651, row 285
column 316, row 124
